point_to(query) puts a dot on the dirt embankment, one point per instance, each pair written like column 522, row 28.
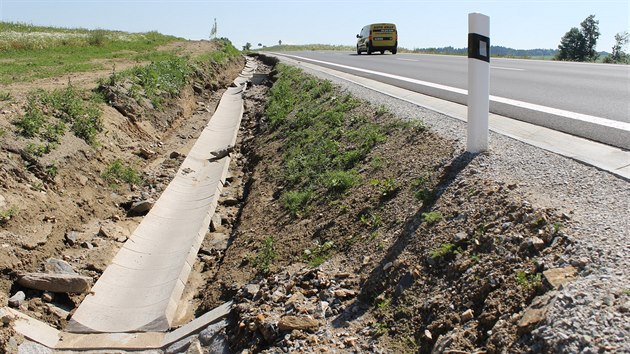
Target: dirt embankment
column 60, row 206
column 421, row 255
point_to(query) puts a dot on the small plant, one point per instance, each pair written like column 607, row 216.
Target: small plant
column 377, row 162
column 2, row 132
column 431, row 217
column 5, row 96
column 265, row 256
column 380, row 328
column 338, row 182
column 31, row 122
column 51, row 171
column 388, row 187
column 528, row 280
column 421, row 191
column 319, row 254
column 371, row 220
column 118, row 172
column 295, row 202
column 444, row 250
column 383, row 303
column 381, row 110
column 39, row 150
column 415, row 125
column 556, row 227
column 7, row 214
column 475, row 257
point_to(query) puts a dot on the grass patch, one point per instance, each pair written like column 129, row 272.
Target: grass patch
column 324, row 135
column 444, row 250
column 118, row 172
column 421, row 190
column 296, row 202
column 5, row 96
column 431, row 217
column 338, row 182
column 265, row 256
column 30, row 52
column 48, row 112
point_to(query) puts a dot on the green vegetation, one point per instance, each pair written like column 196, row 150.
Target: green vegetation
column 338, row 181
column 444, row 250
column 5, row 96
column 579, row 44
column 431, row 217
column 371, row 219
column 265, row 256
column 324, row 137
column 118, row 172
column 164, row 76
column 528, row 280
column 30, row 52
column 319, row 254
column 295, row 202
column 167, row 74
column 421, row 190
column 7, row 214
column 228, row 51
column 48, row 112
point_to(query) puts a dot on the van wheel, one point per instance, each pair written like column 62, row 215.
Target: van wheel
column 382, row 52
column 358, row 50
column 394, row 50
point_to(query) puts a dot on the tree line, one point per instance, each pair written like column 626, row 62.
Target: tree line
column 578, row 44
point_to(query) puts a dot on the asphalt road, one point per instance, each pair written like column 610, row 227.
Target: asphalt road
column 600, row 90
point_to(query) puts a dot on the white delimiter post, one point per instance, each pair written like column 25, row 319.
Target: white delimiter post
column 478, row 77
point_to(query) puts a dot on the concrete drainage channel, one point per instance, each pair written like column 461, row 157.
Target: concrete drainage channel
column 133, row 304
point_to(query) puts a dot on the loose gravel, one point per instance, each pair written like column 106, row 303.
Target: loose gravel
column 592, row 313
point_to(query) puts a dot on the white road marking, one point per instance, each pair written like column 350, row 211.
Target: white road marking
column 555, row 111
column 504, row 68
column 407, row 59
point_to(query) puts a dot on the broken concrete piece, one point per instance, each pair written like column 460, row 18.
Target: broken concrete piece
column 57, row 283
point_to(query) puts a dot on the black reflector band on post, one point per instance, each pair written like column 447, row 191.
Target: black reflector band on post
column 478, row 47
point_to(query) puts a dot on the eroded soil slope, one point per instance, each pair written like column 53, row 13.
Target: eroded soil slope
column 413, row 252
column 69, row 207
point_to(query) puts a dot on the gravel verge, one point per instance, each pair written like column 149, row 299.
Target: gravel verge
column 592, row 313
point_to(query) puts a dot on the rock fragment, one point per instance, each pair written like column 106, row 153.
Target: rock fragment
column 289, row 323
column 57, row 283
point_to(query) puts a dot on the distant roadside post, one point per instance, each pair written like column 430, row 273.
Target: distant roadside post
column 478, row 77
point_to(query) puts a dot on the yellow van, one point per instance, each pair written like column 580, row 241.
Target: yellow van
column 378, row 37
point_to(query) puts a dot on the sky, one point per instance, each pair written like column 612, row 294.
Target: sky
column 421, row 23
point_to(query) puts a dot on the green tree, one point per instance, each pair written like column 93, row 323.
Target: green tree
column 247, row 46
column 213, row 30
column 618, row 55
column 579, row 44
column 571, row 46
column 590, row 32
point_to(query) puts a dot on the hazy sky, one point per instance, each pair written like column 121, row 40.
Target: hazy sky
column 517, row 24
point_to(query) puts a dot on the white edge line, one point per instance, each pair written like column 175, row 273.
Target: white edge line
column 555, row 111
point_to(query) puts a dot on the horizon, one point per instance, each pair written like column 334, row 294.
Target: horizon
column 522, row 25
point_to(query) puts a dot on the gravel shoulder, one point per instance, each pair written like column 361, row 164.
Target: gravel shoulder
column 590, row 314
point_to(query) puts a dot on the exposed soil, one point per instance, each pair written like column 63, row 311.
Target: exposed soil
column 391, row 282
column 441, row 260
column 77, row 201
